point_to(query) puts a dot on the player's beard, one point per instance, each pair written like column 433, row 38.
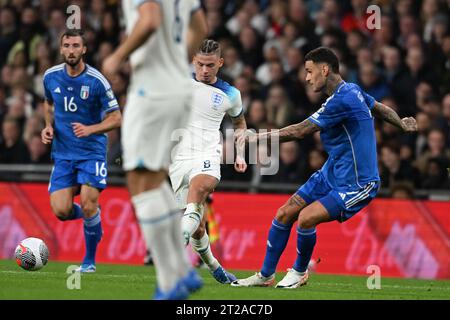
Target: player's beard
column 72, row 61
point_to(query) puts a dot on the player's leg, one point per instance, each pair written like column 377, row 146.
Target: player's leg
column 330, row 207
column 62, row 188
column 279, row 232
column 200, row 243
column 61, row 202
column 309, row 218
column 200, row 186
column 149, row 192
column 276, row 243
column 92, row 225
column 148, row 125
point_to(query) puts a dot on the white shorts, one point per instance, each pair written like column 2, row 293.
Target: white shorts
column 181, row 173
column 148, row 125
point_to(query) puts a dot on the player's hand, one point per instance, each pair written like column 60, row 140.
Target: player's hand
column 80, row 130
column 240, row 165
column 409, row 124
column 111, row 65
column 47, row 135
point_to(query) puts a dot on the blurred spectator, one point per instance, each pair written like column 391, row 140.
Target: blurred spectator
column 280, row 111
column 436, row 148
column 402, row 190
column 436, row 175
column 445, row 114
column 257, row 115
column 394, row 169
column 39, row 152
column 289, row 170
column 232, row 66
column 371, row 82
column 12, row 147
column 400, row 83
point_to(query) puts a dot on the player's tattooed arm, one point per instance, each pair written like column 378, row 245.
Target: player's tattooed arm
column 297, row 131
column 389, row 115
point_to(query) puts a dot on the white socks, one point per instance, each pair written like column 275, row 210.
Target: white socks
column 191, row 220
column 203, row 248
column 159, row 220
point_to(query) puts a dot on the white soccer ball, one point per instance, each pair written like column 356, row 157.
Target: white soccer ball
column 31, row 254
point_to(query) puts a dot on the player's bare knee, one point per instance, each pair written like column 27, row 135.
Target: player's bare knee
column 283, row 216
column 89, row 208
column 63, row 213
column 306, row 222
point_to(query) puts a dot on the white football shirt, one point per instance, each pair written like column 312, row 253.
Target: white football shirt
column 209, row 105
column 160, row 66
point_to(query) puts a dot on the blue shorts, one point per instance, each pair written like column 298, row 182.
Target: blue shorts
column 69, row 173
column 340, row 204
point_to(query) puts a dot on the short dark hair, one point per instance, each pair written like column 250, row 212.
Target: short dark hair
column 74, row 33
column 324, row 55
column 210, row 47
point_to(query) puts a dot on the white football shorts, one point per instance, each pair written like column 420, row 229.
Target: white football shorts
column 148, row 127
column 181, row 173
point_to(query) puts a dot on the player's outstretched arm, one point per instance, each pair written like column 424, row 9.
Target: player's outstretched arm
column 198, row 30
column 111, row 121
column 148, row 22
column 387, row 114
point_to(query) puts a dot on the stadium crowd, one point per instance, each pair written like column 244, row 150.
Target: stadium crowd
column 405, row 64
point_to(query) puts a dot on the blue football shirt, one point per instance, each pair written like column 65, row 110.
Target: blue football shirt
column 348, row 136
column 86, row 99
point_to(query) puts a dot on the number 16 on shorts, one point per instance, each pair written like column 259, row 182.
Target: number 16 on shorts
column 100, row 169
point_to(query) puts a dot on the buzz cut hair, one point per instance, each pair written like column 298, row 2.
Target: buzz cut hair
column 210, row 47
column 324, row 55
column 74, row 33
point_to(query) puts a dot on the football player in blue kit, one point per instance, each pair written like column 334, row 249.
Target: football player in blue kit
column 79, row 108
column 348, row 180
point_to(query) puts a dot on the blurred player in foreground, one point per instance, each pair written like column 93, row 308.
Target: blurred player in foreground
column 162, row 38
column 348, row 180
column 79, row 108
column 195, row 171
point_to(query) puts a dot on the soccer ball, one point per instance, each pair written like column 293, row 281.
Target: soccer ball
column 31, row 254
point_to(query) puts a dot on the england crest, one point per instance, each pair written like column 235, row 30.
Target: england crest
column 84, row 93
column 217, row 100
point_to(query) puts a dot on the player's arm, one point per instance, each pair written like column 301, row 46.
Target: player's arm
column 240, row 126
column 148, row 22
column 47, row 132
column 289, row 133
column 387, row 114
column 111, row 121
column 198, row 30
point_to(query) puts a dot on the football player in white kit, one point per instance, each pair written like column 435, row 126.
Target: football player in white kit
column 162, row 37
column 195, row 171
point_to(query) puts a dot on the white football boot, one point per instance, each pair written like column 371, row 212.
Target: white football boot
column 257, row 280
column 293, row 279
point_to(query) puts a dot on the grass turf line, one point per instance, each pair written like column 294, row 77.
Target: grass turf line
column 138, row 282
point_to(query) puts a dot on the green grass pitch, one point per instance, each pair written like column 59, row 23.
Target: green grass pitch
column 138, row 282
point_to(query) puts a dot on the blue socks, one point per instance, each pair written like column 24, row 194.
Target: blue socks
column 276, row 243
column 92, row 235
column 76, row 212
column 306, row 240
